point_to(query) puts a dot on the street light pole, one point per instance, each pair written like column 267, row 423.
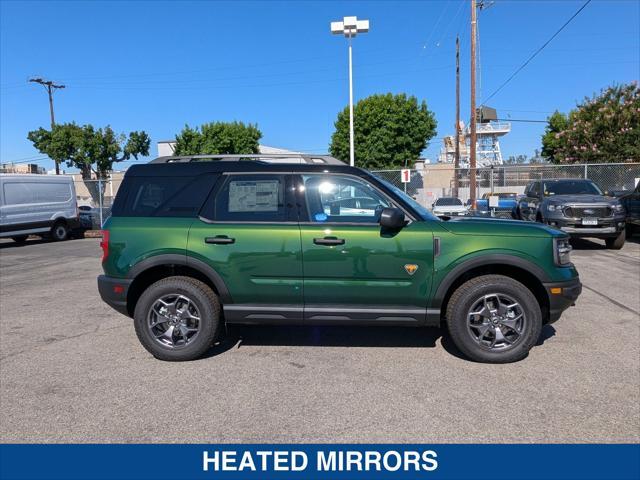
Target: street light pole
column 349, row 27
column 352, row 158
column 49, row 87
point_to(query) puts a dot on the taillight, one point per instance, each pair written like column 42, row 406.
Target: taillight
column 104, row 243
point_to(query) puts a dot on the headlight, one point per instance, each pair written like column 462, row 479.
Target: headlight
column 552, row 208
column 617, row 207
column 562, row 251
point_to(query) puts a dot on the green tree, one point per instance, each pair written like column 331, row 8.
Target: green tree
column 604, row 128
column 91, row 150
column 551, row 140
column 218, row 138
column 390, row 131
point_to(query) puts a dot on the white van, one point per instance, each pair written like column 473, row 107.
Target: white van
column 43, row 205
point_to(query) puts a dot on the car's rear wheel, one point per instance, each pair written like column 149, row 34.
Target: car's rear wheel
column 59, row 231
column 177, row 318
column 494, row 319
column 616, row 243
column 20, row 238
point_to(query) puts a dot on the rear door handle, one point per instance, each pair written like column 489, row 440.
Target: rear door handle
column 328, row 241
column 220, row 240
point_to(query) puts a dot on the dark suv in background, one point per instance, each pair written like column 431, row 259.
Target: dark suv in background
column 576, row 206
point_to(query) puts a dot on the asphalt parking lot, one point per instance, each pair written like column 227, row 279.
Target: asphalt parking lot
column 72, row 370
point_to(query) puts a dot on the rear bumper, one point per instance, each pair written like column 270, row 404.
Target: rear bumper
column 562, row 295
column 114, row 292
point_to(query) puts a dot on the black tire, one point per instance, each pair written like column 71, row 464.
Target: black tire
column 472, row 291
column 202, row 297
column 20, row 238
column 59, row 231
column 630, row 230
column 616, row 243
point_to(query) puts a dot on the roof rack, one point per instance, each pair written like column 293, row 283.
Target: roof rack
column 296, row 158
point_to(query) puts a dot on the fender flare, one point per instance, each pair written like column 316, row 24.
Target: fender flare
column 485, row 260
column 183, row 260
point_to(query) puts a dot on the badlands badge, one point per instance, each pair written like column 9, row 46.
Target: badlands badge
column 411, row 268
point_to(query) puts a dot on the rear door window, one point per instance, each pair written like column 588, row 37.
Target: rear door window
column 253, row 198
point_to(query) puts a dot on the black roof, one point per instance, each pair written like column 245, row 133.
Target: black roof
column 199, row 164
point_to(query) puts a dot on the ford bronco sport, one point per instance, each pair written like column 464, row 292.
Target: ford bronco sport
column 194, row 243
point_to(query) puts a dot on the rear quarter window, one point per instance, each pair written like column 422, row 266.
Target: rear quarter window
column 162, row 196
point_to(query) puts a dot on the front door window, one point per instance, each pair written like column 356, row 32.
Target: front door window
column 342, row 199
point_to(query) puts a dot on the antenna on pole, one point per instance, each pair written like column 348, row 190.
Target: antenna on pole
column 49, row 86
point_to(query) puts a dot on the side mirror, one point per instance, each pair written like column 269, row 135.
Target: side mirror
column 392, row 218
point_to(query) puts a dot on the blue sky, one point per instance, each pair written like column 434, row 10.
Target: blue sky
column 155, row 66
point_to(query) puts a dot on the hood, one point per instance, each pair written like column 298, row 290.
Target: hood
column 499, row 227
column 580, row 199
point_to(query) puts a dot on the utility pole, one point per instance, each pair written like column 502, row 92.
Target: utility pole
column 49, row 87
column 457, row 157
column 472, row 123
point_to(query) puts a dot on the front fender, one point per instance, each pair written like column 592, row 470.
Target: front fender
column 445, row 276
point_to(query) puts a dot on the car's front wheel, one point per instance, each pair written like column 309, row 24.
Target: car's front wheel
column 617, row 242
column 494, row 319
column 177, row 318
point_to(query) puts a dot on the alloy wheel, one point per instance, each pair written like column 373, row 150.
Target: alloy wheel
column 496, row 322
column 174, row 321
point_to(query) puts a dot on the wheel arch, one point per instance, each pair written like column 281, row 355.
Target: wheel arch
column 158, row 267
column 520, row 269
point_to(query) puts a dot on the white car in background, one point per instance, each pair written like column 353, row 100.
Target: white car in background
column 449, row 207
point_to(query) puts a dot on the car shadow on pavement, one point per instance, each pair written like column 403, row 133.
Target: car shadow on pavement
column 237, row 336
column 332, row 336
column 8, row 243
column 586, row 244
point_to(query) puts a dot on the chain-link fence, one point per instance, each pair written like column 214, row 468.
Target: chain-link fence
column 95, row 197
column 426, row 185
column 433, row 181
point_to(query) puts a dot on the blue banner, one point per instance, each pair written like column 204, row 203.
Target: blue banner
column 319, row 461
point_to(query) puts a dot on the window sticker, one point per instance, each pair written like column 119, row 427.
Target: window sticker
column 253, row 196
column 321, row 217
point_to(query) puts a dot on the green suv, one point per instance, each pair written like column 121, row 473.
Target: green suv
column 194, row 243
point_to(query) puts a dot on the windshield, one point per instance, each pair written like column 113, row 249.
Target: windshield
column 422, row 211
column 448, row 202
column 571, row 187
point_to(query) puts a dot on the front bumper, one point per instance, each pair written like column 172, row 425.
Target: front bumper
column 562, row 295
column 114, row 292
column 607, row 227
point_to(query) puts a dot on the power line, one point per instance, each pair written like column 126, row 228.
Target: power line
column 32, row 160
column 521, row 120
column 519, row 69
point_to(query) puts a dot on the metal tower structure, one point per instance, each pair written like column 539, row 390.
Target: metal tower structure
column 488, row 131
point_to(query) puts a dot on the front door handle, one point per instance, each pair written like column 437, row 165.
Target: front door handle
column 220, row 240
column 329, row 241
